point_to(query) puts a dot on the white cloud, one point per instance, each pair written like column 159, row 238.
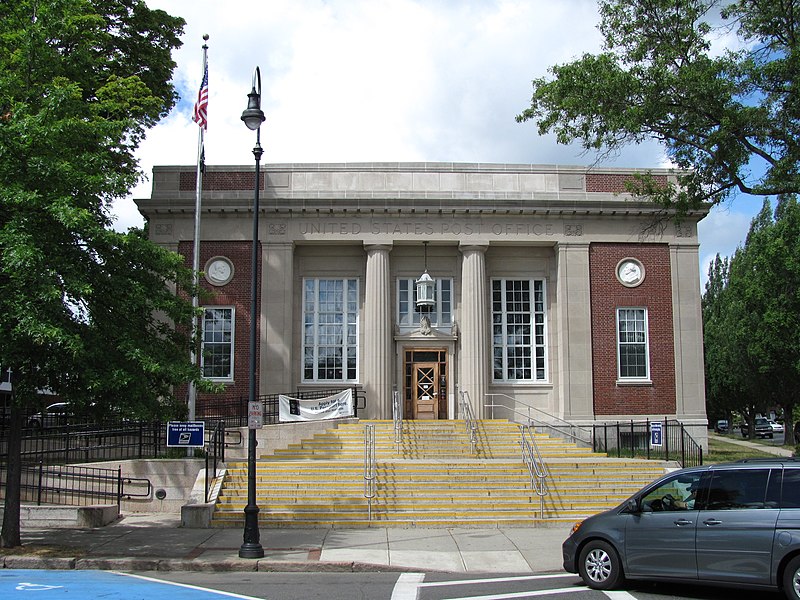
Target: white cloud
column 378, row 80
column 723, row 231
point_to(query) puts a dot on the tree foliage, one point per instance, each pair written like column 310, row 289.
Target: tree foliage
column 87, row 312
column 728, row 119
column 751, row 318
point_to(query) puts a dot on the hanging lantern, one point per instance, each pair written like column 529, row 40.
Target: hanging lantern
column 425, row 286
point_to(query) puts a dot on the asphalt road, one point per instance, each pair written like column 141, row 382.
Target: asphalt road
column 80, row 585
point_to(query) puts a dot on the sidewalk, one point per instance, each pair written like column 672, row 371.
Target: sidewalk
column 157, row 543
column 776, row 450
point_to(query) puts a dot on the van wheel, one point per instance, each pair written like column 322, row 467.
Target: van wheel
column 600, row 568
column 791, row 579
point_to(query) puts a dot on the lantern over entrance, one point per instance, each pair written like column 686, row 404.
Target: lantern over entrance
column 425, row 287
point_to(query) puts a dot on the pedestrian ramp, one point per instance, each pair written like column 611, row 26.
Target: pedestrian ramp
column 430, row 474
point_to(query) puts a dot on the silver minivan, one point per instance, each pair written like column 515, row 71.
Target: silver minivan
column 734, row 524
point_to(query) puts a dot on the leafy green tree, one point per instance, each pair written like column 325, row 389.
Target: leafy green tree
column 751, row 319
column 722, row 117
column 86, row 312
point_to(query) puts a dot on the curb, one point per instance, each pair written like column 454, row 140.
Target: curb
column 179, row 564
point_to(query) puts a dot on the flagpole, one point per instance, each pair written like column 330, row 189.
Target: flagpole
column 196, row 244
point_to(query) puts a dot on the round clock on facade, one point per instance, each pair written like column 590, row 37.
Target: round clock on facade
column 219, row 270
column 630, row 272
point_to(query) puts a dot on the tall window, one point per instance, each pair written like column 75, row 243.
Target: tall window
column 519, row 330
column 441, row 314
column 216, row 359
column 632, row 350
column 330, row 329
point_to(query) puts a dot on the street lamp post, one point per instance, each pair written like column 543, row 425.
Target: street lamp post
column 253, row 116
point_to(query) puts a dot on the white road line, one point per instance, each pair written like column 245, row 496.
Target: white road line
column 186, row 585
column 619, row 595
column 493, row 580
column 513, row 595
column 407, row 586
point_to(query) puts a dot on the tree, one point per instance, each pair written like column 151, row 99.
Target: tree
column 87, row 312
column 751, row 319
column 723, row 116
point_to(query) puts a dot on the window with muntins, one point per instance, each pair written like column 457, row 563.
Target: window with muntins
column 330, row 330
column 632, row 344
column 519, row 330
column 216, row 358
column 441, row 314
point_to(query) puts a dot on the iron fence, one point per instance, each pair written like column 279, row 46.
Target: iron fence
column 73, row 485
column 233, row 411
column 89, row 442
column 642, row 439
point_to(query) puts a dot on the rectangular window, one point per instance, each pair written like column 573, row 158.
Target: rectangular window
column 632, row 345
column 519, row 330
column 216, row 358
column 441, row 314
column 330, row 330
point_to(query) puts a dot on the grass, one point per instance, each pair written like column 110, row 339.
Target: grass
column 721, row 451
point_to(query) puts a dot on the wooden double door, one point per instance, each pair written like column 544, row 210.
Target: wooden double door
column 425, row 384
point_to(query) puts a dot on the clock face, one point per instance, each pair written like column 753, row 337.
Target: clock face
column 219, row 271
column 630, row 272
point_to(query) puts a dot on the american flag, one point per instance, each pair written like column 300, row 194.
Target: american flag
column 200, row 115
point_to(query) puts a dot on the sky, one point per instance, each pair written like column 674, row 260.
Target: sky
column 386, row 80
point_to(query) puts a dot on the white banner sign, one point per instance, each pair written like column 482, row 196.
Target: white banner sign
column 332, row 407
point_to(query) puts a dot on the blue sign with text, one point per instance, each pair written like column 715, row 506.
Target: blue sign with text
column 186, row 434
column 656, row 434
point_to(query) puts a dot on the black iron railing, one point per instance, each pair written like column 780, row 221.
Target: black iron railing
column 641, row 439
column 215, row 454
column 77, row 485
column 233, row 411
column 89, row 442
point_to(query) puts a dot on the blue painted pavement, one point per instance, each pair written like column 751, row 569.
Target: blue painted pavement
column 79, row 585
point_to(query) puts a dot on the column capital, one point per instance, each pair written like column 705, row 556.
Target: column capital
column 572, row 245
column 373, row 246
column 476, row 246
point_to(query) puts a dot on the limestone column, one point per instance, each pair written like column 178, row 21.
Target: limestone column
column 277, row 277
column 474, row 326
column 572, row 378
column 377, row 361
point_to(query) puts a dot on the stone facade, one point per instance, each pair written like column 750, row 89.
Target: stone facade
column 562, row 229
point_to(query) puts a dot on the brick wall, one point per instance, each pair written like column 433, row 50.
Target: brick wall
column 221, row 181
column 612, row 182
column 235, row 293
column 654, row 294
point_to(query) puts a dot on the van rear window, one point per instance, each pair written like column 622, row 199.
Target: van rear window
column 790, row 497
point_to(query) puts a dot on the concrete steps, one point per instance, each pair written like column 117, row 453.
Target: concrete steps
column 433, row 480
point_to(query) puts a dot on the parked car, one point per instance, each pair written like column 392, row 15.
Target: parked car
column 763, row 429
column 776, row 427
column 722, row 426
column 731, row 524
column 54, row 415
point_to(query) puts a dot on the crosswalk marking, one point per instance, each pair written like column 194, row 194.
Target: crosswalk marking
column 409, row 585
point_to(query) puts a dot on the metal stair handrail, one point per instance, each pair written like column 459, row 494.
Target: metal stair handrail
column 369, row 466
column 560, row 427
column 469, row 420
column 398, row 421
column 536, row 466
